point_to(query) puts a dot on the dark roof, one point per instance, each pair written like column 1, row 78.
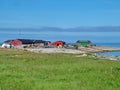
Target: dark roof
column 8, row 41
column 31, row 41
column 39, row 41
column 83, row 41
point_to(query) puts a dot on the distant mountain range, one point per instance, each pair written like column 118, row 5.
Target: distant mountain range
column 77, row 29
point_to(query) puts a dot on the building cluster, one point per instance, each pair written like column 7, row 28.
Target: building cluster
column 31, row 43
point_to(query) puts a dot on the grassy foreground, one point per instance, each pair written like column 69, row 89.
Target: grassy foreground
column 22, row 70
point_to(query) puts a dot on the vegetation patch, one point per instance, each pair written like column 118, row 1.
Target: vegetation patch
column 23, row 70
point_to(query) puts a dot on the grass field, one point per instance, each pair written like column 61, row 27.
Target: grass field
column 22, row 70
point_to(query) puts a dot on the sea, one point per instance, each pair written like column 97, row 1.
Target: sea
column 100, row 38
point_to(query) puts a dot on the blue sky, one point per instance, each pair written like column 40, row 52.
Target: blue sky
column 59, row 13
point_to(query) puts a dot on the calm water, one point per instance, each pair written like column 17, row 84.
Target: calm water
column 109, row 53
column 100, row 38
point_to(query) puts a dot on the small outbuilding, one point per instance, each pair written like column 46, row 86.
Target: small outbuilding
column 59, row 43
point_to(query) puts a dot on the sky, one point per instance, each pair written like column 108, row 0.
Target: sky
column 59, row 13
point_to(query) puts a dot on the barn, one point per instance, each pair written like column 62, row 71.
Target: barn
column 59, row 43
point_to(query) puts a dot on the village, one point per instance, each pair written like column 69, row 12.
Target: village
column 42, row 46
column 29, row 43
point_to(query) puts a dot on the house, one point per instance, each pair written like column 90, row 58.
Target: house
column 34, row 43
column 11, row 43
column 24, row 43
column 84, row 43
column 59, row 43
column 16, row 42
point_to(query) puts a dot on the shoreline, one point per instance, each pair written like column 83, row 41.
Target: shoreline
column 95, row 49
column 81, row 51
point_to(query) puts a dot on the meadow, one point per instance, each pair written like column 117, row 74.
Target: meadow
column 23, row 70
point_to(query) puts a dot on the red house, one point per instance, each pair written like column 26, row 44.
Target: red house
column 16, row 42
column 59, row 43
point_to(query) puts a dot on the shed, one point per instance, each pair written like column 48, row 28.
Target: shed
column 59, row 43
column 84, row 43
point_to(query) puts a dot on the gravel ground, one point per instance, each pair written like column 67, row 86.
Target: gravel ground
column 54, row 50
column 80, row 50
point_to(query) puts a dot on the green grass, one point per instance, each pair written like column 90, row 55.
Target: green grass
column 22, row 70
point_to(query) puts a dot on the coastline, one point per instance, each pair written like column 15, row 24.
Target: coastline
column 81, row 51
column 97, row 49
column 94, row 49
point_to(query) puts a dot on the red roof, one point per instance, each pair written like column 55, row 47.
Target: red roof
column 58, row 43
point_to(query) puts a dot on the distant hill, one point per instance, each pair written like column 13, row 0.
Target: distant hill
column 77, row 29
column 96, row 29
